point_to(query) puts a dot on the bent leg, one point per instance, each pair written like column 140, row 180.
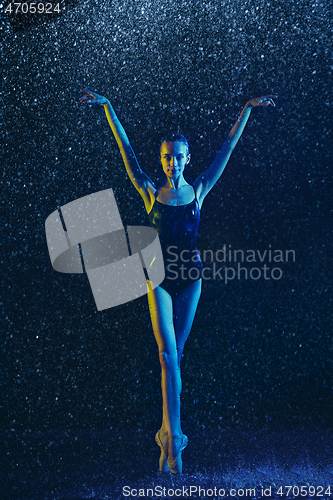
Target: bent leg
column 185, row 306
column 161, row 312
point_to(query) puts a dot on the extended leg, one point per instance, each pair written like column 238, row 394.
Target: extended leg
column 185, row 306
column 161, row 312
column 172, row 321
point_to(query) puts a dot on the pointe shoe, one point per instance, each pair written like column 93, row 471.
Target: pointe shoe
column 162, row 441
column 176, row 445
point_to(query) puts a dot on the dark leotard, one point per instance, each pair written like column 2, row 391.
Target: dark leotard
column 177, row 228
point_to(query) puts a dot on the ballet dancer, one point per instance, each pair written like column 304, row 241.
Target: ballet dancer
column 174, row 211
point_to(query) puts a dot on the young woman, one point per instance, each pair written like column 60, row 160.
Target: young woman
column 174, row 211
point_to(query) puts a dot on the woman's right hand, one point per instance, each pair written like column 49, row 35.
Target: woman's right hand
column 92, row 98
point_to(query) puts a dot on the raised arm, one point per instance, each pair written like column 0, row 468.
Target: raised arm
column 204, row 183
column 140, row 180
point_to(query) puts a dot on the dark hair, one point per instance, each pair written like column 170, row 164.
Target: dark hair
column 175, row 136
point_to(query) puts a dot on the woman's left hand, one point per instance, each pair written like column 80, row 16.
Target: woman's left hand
column 266, row 100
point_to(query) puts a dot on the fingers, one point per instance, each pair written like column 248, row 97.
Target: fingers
column 85, row 99
column 267, row 100
column 92, row 94
column 88, row 97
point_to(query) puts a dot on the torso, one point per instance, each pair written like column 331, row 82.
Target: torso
column 175, row 217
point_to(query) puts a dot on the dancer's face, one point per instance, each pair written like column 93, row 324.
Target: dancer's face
column 174, row 157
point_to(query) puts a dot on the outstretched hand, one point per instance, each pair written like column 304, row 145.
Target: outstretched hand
column 266, row 100
column 92, row 98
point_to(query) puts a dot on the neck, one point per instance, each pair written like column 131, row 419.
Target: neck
column 175, row 183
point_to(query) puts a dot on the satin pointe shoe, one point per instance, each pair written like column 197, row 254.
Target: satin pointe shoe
column 163, row 443
column 176, row 445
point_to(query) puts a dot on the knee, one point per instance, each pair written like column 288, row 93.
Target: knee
column 179, row 356
column 168, row 359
